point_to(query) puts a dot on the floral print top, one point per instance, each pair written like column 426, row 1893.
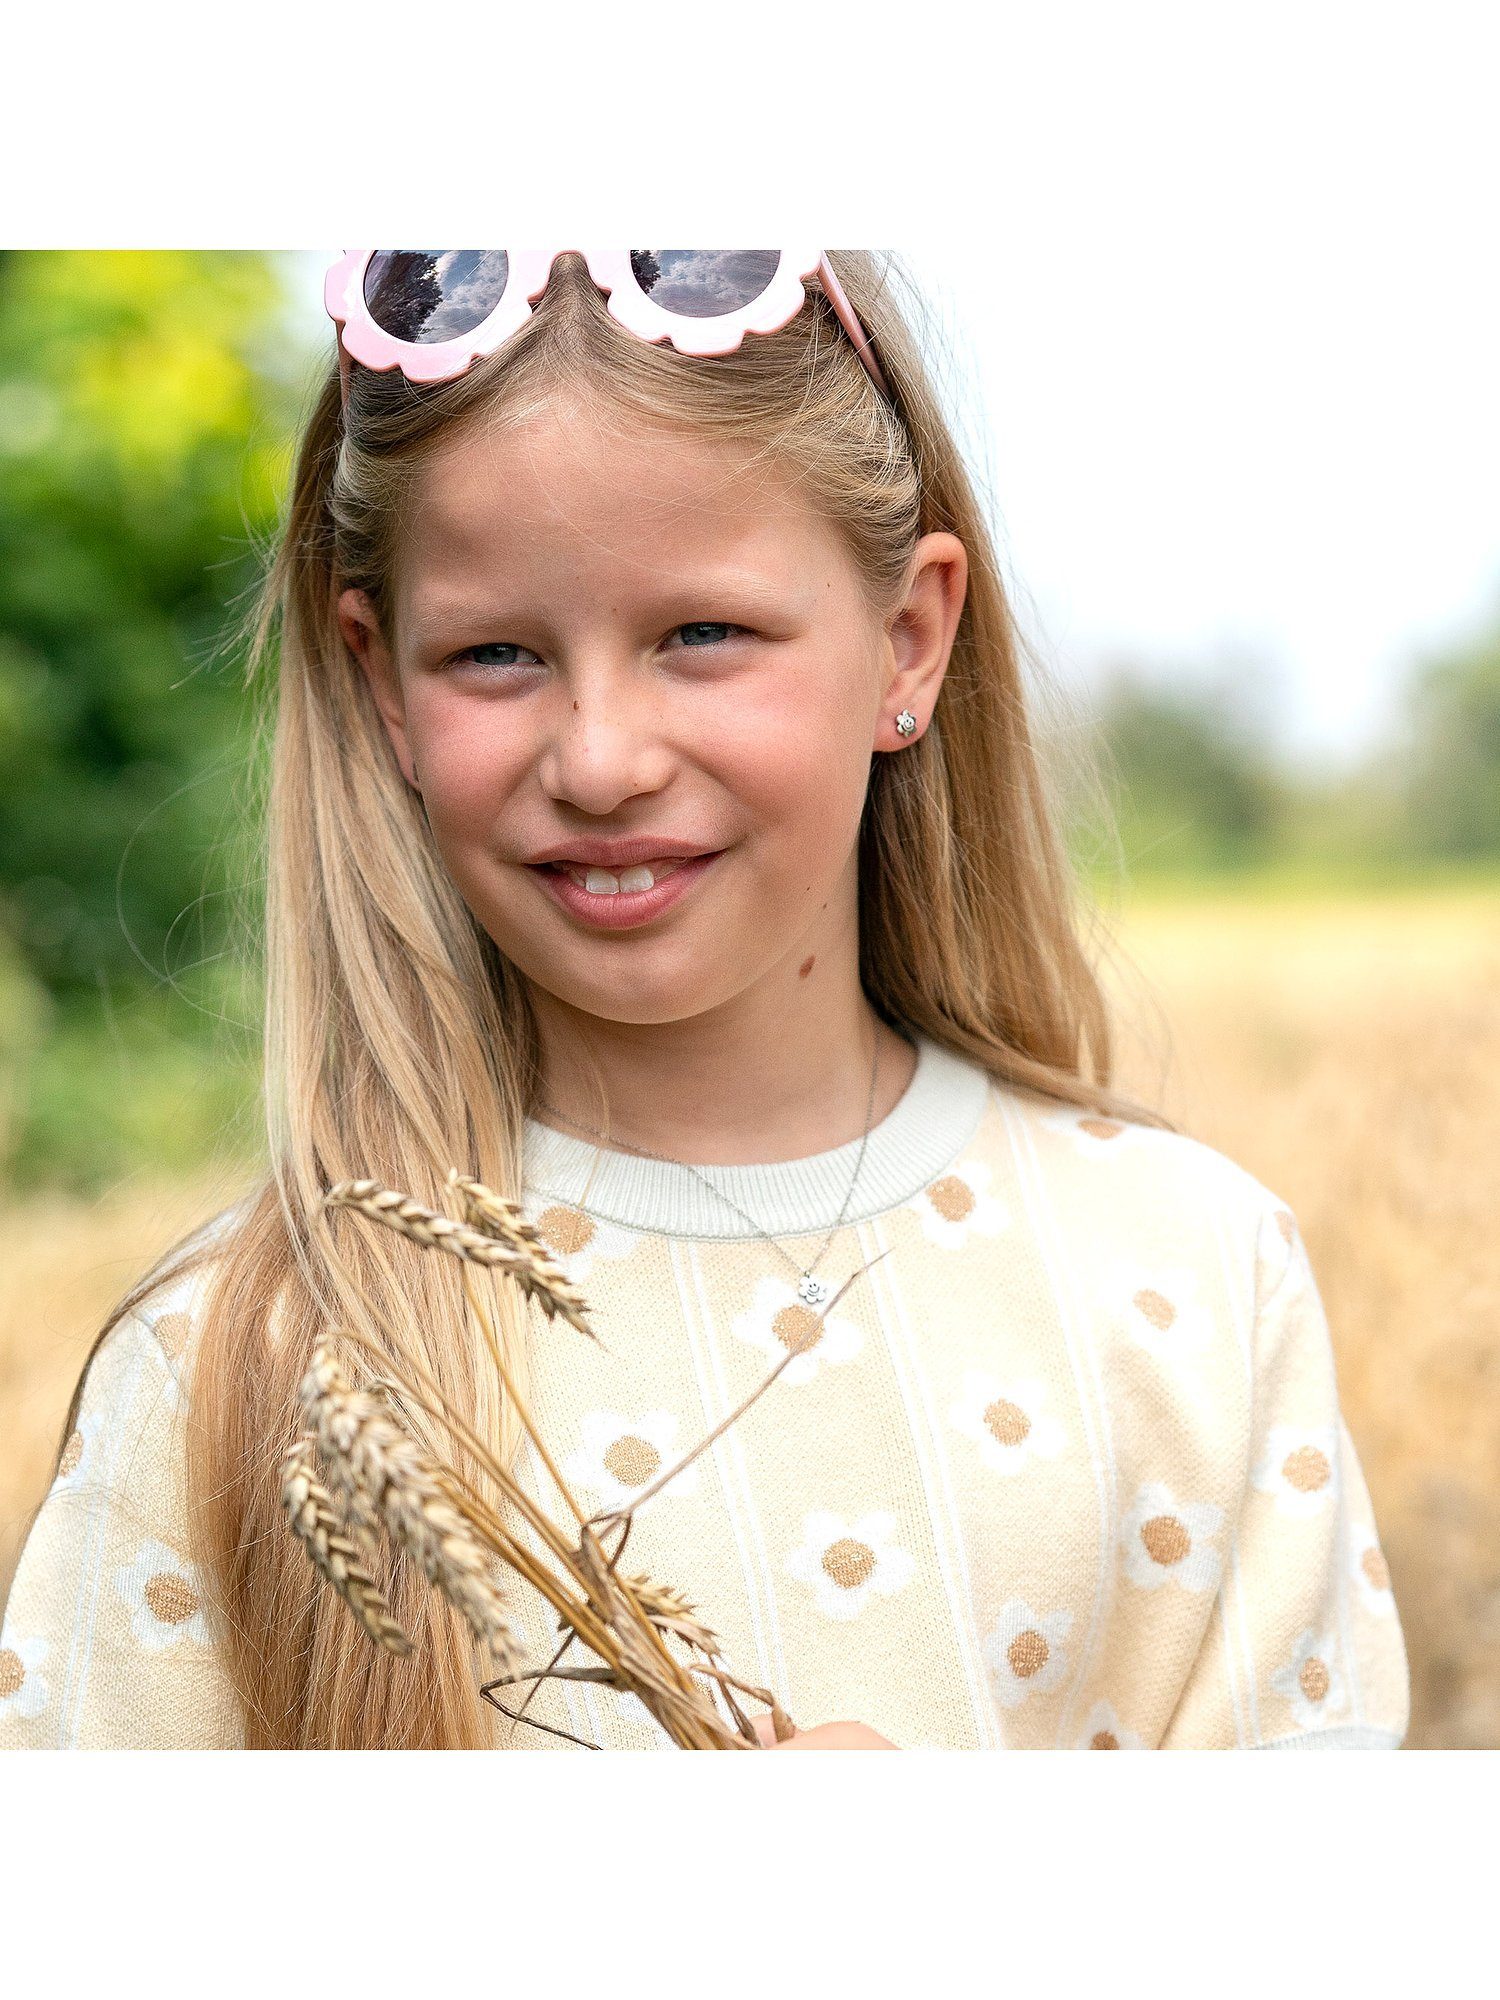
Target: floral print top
column 1065, row 1469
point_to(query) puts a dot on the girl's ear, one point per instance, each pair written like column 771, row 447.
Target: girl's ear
column 920, row 634
column 363, row 637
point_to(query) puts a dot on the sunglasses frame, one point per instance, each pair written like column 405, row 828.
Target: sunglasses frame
column 359, row 338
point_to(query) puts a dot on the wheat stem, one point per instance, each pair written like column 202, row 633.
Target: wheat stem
column 662, row 1479
column 533, row 1431
column 439, row 1407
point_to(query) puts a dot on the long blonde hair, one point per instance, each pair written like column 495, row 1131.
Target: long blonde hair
column 399, row 1042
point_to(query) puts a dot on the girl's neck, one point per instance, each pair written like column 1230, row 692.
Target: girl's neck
column 914, row 1144
column 721, row 1091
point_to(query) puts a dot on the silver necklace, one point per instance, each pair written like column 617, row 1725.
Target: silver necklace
column 812, row 1291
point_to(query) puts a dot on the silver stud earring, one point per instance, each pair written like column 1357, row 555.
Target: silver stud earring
column 906, row 722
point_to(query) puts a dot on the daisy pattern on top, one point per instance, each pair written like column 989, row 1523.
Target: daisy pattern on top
column 1372, row 1576
column 24, row 1689
column 1025, row 1651
column 776, row 1321
column 958, row 1205
column 1007, row 1418
column 1158, row 1307
column 1286, row 1222
column 847, row 1562
column 174, row 1333
column 1165, row 1540
column 1310, row 1680
column 1093, row 1131
column 1103, row 1730
column 620, row 1455
column 1300, row 1467
column 577, row 1240
column 76, row 1463
column 163, row 1591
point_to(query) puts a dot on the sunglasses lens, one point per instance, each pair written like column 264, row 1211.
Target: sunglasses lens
column 701, row 284
column 431, row 295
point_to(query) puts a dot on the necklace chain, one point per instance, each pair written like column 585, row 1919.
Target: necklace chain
column 811, row 1290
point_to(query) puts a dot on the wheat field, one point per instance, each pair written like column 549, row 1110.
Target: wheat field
column 1346, row 1050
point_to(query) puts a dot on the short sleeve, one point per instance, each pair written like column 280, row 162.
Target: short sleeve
column 1305, row 1649
column 105, row 1644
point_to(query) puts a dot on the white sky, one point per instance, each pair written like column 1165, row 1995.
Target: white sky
column 1277, row 448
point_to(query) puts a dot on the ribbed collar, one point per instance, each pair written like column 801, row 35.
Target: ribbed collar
column 925, row 1130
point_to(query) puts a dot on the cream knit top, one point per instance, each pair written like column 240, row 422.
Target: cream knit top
column 1065, row 1469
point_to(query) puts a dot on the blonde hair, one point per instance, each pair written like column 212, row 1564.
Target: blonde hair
column 399, row 1041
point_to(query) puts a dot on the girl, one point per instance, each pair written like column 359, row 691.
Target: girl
column 656, row 832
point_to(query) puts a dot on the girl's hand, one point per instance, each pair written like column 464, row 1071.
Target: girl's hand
column 826, row 1736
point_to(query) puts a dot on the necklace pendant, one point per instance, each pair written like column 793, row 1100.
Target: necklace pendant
column 812, row 1291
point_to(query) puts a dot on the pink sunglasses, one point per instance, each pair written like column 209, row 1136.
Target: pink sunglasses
column 433, row 313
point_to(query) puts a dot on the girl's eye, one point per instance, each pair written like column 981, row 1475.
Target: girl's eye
column 709, row 630
column 490, row 646
column 700, row 633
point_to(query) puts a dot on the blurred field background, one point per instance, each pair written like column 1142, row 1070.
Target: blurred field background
column 1306, row 963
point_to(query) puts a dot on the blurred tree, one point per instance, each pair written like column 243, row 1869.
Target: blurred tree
column 1452, row 756
column 147, row 405
column 1192, row 783
column 141, row 450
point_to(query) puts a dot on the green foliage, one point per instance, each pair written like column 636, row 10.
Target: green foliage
column 147, row 401
column 1190, row 786
column 140, row 463
column 1196, row 788
column 134, row 1084
column 1452, row 784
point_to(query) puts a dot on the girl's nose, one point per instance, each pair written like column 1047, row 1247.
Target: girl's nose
column 602, row 743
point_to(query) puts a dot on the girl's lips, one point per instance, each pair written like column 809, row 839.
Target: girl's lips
column 629, row 907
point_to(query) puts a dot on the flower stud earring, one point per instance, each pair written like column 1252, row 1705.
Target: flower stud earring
column 906, row 722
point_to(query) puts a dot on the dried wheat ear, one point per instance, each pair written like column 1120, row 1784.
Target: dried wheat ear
column 379, row 1481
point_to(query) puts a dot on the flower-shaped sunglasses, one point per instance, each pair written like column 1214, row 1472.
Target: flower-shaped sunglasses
column 433, row 313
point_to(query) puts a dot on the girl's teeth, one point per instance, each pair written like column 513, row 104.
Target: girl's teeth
column 600, row 882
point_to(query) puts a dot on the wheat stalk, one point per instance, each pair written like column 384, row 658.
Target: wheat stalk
column 368, row 1453
column 513, row 1247
column 670, row 1611
column 316, row 1524
column 380, row 1474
